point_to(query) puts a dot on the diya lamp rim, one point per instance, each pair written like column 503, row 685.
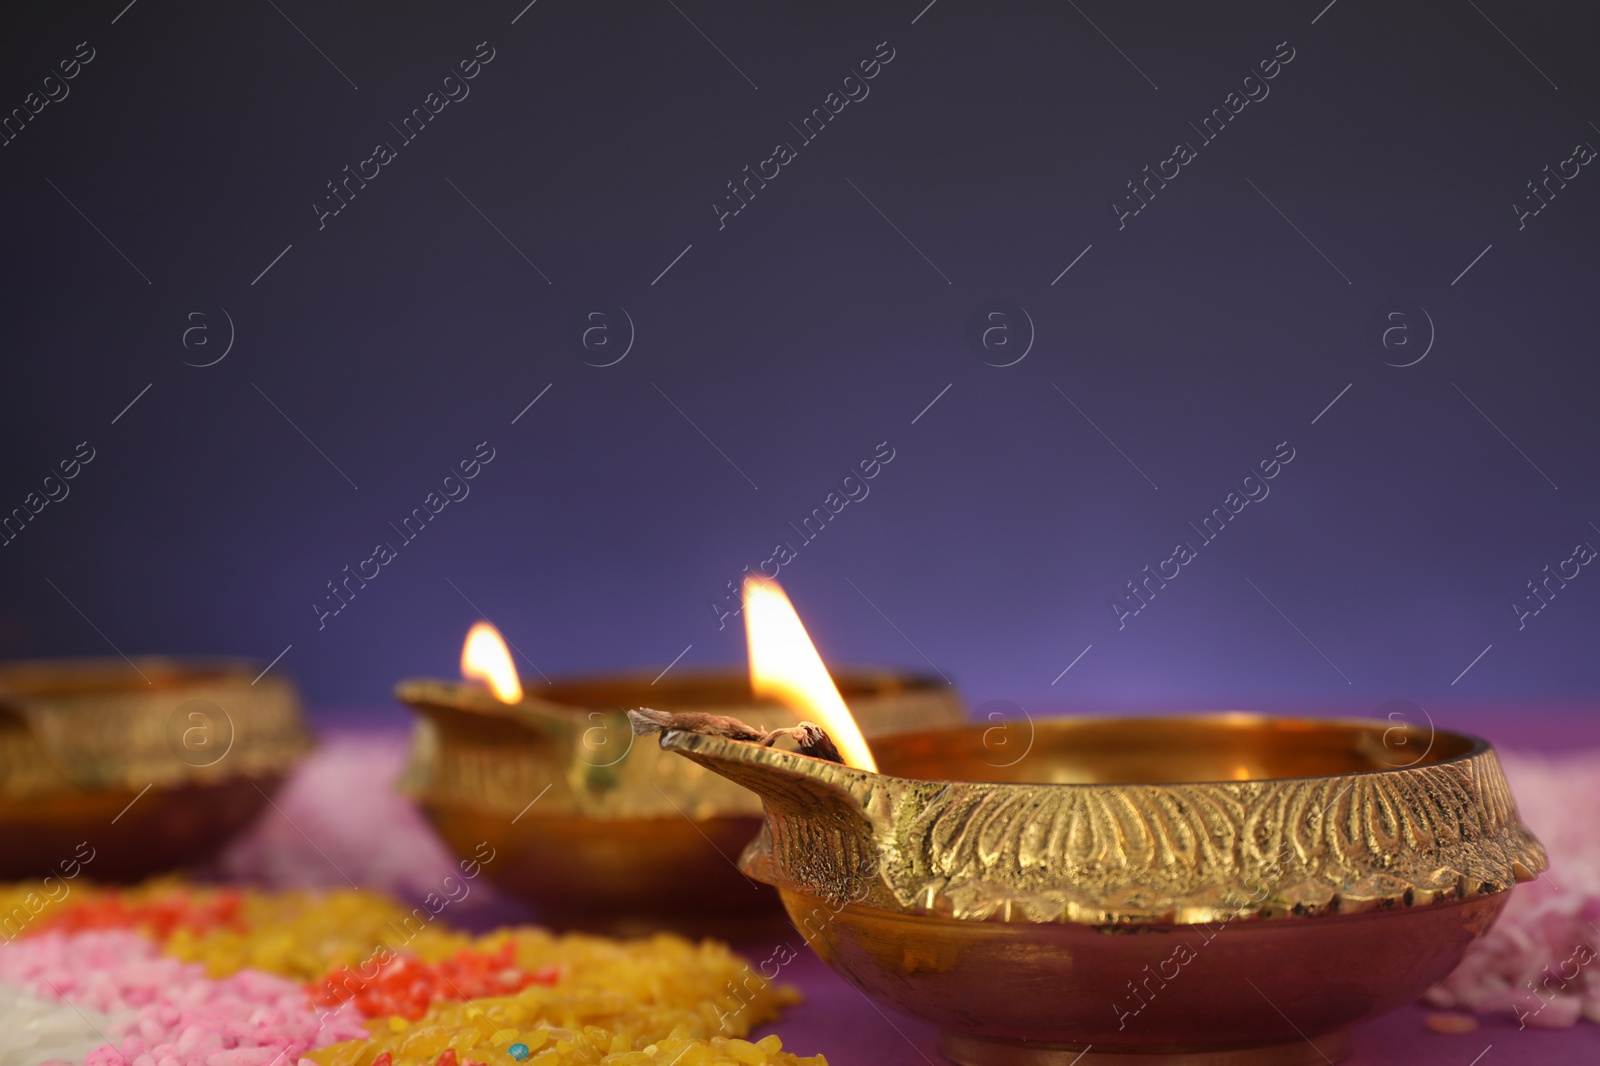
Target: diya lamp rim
column 685, row 740
column 1132, row 854
column 858, row 682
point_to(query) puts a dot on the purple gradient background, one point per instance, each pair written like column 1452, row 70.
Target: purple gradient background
column 803, row 334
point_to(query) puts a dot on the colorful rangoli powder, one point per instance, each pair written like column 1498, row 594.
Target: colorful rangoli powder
column 169, row 1010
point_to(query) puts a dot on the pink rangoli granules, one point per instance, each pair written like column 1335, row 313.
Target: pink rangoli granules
column 158, row 1011
column 1538, row 962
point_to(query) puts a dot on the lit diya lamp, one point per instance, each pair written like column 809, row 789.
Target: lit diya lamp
column 1227, row 890
column 119, row 769
column 596, row 830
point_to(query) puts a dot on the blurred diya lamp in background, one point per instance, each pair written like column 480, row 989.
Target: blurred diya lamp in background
column 1218, row 890
column 598, row 830
column 124, row 769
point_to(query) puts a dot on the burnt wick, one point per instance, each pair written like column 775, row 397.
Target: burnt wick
column 809, row 738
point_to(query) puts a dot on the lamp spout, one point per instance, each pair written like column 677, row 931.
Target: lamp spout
column 817, row 835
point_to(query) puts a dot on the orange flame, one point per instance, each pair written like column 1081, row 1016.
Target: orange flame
column 485, row 656
column 785, row 664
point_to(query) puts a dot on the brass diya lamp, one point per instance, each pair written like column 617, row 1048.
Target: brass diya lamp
column 136, row 768
column 596, row 830
column 1218, row 890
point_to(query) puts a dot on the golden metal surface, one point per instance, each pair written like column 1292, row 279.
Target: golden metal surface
column 619, row 836
column 1220, row 887
column 81, row 740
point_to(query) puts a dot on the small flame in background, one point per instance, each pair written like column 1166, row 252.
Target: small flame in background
column 485, row 657
column 785, row 664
